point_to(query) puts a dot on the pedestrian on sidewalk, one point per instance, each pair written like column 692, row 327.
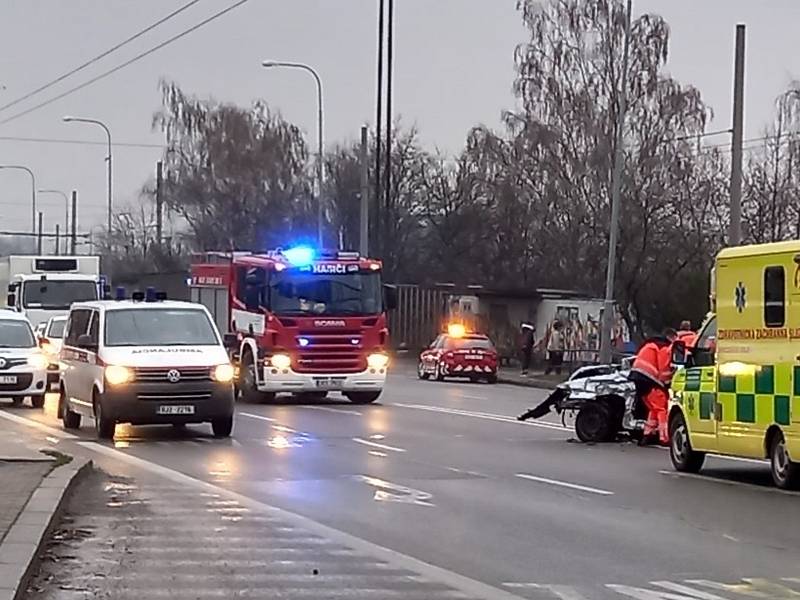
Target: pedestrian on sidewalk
column 555, row 349
column 528, row 334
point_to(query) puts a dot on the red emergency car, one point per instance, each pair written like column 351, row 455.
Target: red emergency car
column 459, row 354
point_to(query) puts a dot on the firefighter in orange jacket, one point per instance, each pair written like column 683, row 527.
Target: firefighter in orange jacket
column 652, row 373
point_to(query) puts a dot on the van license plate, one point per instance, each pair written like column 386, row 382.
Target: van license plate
column 8, row 379
column 329, row 383
column 175, row 410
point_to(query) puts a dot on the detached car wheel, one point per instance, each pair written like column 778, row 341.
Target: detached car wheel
column 785, row 473
column 223, row 427
column 593, row 423
column 684, row 459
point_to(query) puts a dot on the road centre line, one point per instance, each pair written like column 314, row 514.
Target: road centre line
column 479, row 415
column 462, row 583
column 334, row 410
column 358, row 440
column 259, row 417
column 565, row 484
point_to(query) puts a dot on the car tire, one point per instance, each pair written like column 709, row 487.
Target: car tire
column 103, row 426
column 16, row 401
column 223, row 427
column 593, row 423
column 69, row 419
column 421, row 372
column 363, row 397
column 438, row 373
column 785, row 473
column 37, row 401
column 248, row 389
column 684, row 458
column 492, row 379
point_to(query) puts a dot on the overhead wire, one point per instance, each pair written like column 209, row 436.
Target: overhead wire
column 14, row 138
column 100, row 56
column 127, row 63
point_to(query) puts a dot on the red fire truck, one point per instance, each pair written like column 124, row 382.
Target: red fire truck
column 299, row 321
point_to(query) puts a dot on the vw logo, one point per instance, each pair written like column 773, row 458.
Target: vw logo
column 3, row 363
column 173, row 376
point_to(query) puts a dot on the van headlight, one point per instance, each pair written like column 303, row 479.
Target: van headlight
column 281, row 361
column 116, row 375
column 223, row 373
column 377, row 361
column 38, row 361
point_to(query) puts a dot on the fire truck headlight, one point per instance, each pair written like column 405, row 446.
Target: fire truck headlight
column 117, row 375
column 223, row 373
column 377, row 361
column 281, row 361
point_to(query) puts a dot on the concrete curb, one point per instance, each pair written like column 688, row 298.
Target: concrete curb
column 19, row 550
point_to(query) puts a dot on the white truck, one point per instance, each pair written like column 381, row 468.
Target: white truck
column 41, row 287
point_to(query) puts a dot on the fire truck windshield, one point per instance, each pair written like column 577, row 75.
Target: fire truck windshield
column 299, row 293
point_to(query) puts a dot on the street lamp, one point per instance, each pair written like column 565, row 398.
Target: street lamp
column 33, row 191
column 66, row 213
column 275, row 64
column 69, row 119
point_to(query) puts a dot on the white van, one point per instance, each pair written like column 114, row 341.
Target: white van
column 144, row 362
column 23, row 366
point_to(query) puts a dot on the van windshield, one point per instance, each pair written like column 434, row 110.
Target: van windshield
column 57, row 294
column 159, row 327
column 16, row 334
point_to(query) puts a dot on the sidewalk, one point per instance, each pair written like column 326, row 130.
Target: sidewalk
column 537, row 379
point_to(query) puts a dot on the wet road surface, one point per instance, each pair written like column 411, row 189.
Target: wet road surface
column 442, row 474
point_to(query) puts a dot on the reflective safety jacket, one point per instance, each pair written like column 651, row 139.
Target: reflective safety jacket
column 654, row 361
column 688, row 337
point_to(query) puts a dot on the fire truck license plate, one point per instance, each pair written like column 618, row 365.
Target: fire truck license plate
column 329, row 383
column 166, row 409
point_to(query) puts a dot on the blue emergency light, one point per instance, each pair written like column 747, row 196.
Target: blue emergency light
column 299, row 256
column 303, row 342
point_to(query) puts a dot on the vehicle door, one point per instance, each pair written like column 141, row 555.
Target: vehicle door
column 75, row 358
column 700, row 403
column 94, row 370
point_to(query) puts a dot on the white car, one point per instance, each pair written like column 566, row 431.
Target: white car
column 51, row 337
column 145, row 363
column 23, row 366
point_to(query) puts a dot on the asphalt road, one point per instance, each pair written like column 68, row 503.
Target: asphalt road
column 442, row 472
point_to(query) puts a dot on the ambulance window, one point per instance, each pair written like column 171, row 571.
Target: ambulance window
column 774, row 297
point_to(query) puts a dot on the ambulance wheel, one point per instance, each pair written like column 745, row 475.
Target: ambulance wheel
column 37, row 401
column 684, row 459
column 223, row 427
column 421, row 371
column 103, row 426
column 785, row 473
column 69, row 419
column 248, row 388
column 593, row 423
column 363, row 397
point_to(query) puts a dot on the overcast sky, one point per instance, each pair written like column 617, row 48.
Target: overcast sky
column 453, row 69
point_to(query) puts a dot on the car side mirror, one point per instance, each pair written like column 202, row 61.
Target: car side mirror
column 230, row 341
column 85, row 342
column 390, row 297
column 678, row 354
column 11, row 300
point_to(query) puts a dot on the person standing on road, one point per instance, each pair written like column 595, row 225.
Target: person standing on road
column 555, row 349
column 652, row 374
column 528, row 333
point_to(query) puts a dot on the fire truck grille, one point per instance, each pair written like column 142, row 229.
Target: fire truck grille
column 334, row 352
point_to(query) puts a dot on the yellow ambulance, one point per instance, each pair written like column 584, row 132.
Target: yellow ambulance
column 738, row 391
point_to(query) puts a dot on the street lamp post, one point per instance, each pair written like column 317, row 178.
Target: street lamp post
column 272, row 64
column 616, row 186
column 33, row 191
column 66, row 213
column 69, row 119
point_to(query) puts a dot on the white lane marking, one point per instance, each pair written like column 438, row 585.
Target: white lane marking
column 754, row 486
column 466, row 472
column 338, row 411
column 479, row 415
column 565, row 484
column 471, row 397
column 520, row 585
column 386, row 491
column 37, row 425
column 284, row 429
column 259, row 417
column 236, row 443
column 377, row 445
column 468, row 586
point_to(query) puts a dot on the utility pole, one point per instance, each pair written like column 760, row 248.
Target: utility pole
column 616, row 188
column 388, row 159
column 39, row 236
column 378, row 117
column 159, row 202
column 363, row 247
column 58, row 236
column 74, row 241
column 735, row 233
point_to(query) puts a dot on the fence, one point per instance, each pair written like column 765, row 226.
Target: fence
column 419, row 316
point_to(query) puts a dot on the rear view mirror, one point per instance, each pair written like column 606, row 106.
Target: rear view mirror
column 678, row 354
column 389, row 297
